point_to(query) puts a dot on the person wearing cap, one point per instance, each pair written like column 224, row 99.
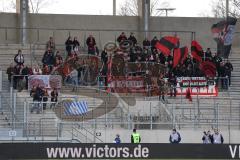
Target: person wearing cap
column 117, row 139
column 207, row 137
column 217, row 137
column 135, row 137
column 175, row 137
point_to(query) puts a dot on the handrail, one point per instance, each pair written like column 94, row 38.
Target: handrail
column 84, row 29
column 9, row 107
column 89, row 133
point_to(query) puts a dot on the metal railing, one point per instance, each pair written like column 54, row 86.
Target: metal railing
column 36, row 34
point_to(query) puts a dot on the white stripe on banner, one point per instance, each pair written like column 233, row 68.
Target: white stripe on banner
column 75, row 108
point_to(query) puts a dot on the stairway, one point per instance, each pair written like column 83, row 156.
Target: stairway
column 222, row 111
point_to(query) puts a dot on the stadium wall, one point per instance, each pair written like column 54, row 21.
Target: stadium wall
column 81, row 25
column 162, row 136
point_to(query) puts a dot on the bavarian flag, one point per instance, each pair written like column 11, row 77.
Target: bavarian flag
column 197, row 51
column 166, row 44
column 179, row 55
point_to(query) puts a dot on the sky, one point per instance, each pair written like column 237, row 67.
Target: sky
column 184, row 8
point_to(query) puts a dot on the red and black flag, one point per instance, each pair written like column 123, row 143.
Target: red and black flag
column 180, row 54
column 197, row 51
column 166, row 44
column 223, row 32
column 208, row 68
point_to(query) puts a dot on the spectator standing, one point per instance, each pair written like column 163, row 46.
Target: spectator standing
column 51, row 44
column 222, row 76
column 91, row 43
column 135, row 137
column 76, row 44
column 217, row 137
column 208, row 55
column 74, row 79
column 58, row 59
column 54, row 97
column 161, row 88
column 26, row 72
column 10, row 72
column 175, row 137
column 207, row 137
column 45, row 99
column 153, row 43
column 122, row 37
column 173, row 84
column 37, row 94
column 217, row 60
column 19, row 58
column 69, row 45
column 146, row 43
column 104, row 56
column 228, row 68
column 132, row 38
column 117, row 139
column 48, row 58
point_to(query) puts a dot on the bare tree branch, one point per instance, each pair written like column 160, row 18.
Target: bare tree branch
column 219, row 8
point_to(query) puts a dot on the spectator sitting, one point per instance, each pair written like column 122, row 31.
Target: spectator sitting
column 37, row 70
column 58, row 59
column 54, row 97
column 76, row 44
column 10, row 72
column 121, row 38
column 51, row 44
column 175, row 137
column 132, row 39
column 69, row 45
column 91, row 43
column 46, row 70
column 19, row 58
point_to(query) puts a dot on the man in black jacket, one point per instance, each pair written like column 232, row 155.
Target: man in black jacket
column 228, row 68
column 132, row 39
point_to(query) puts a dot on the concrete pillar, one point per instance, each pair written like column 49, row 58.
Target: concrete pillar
column 227, row 8
column 22, row 10
column 144, row 15
column 114, row 8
